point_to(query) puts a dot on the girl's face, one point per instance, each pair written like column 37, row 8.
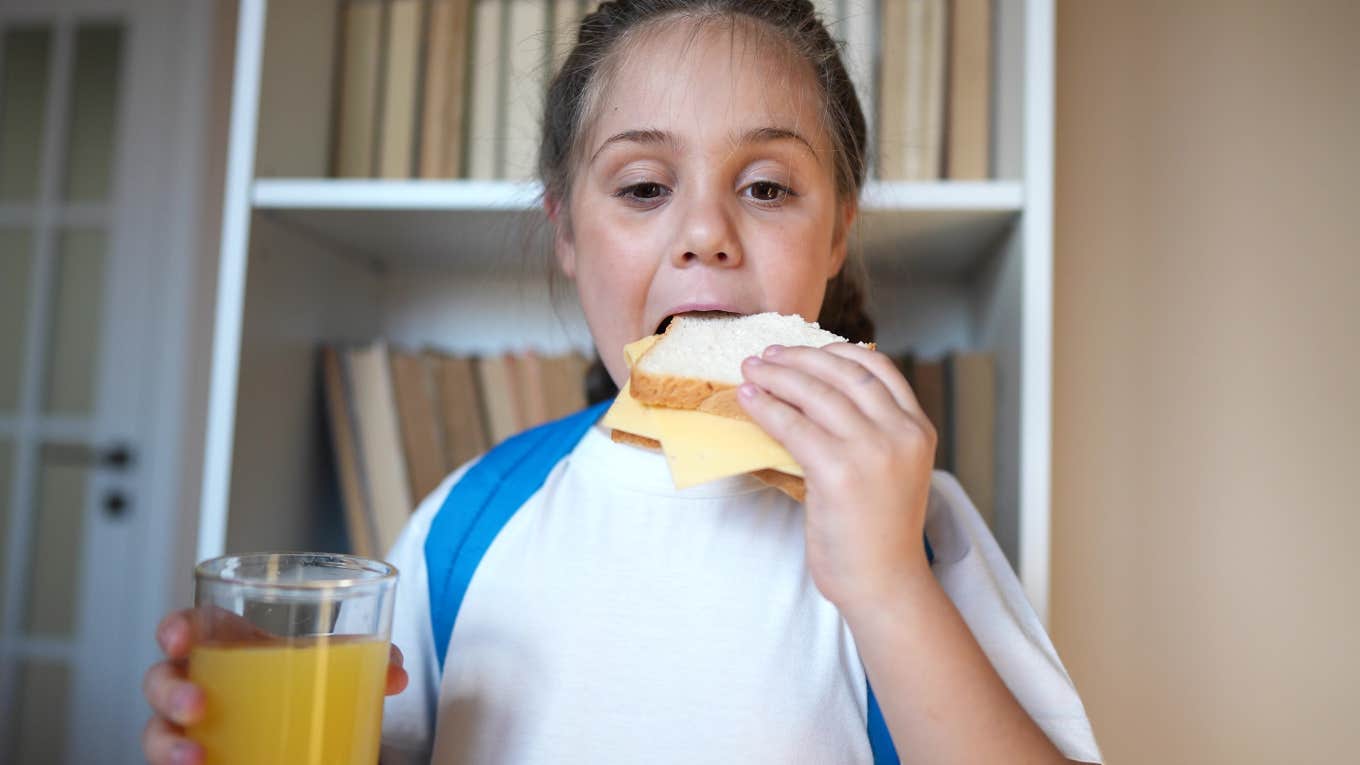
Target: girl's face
column 706, row 183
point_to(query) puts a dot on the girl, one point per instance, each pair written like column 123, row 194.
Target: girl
column 707, row 155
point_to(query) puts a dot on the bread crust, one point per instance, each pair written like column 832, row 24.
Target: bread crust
column 675, row 392
column 791, row 485
column 632, row 439
column 671, row 391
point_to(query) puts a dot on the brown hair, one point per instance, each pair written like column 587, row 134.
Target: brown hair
column 575, row 90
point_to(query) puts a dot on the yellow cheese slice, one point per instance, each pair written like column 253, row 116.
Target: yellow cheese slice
column 703, row 447
column 699, row 446
column 629, row 415
column 634, row 350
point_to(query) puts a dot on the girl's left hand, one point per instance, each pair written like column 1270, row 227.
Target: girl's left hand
column 867, row 450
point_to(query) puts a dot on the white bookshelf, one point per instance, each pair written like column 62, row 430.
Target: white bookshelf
column 461, row 264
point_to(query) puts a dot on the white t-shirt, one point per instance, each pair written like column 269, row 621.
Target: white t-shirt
column 618, row 620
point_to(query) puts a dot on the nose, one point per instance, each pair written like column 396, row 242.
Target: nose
column 707, row 237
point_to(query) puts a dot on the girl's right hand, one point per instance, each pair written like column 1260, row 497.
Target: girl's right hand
column 176, row 703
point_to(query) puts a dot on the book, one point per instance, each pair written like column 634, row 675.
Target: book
column 401, row 59
column 925, row 128
column 345, row 448
column 446, row 72
column 530, row 389
column 357, row 103
column 460, row 409
column 857, row 27
column 974, row 428
column 527, row 61
column 483, row 120
column 379, row 437
column 421, row 433
column 496, row 382
column 929, row 386
column 968, row 147
column 564, row 384
column 566, row 22
column 911, row 89
column 892, row 94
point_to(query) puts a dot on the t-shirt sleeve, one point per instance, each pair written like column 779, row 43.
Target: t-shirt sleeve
column 409, row 716
column 973, row 571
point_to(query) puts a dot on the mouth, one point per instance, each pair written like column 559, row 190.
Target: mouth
column 698, row 309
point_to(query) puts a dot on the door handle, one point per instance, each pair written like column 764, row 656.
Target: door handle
column 118, row 457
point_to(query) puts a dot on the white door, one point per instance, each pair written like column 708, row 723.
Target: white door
column 83, row 248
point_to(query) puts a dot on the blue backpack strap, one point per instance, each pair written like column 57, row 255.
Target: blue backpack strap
column 880, row 740
column 482, row 502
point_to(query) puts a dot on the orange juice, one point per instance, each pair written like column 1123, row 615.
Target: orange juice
column 315, row 701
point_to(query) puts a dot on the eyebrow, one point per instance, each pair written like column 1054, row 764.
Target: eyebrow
column 654, row 137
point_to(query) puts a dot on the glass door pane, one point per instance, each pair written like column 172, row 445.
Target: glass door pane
column 94, row 105
column 39, row 733
column 76, row 308
column 23, row 97
column 16, row 260
column 54, row 563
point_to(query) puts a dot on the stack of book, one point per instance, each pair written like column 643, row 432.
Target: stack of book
column 454, row 88
column 934, row 96
column 401, row 421
column 958, row 393
column 446, row 88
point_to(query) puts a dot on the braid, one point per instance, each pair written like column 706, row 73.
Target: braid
column 843, row 309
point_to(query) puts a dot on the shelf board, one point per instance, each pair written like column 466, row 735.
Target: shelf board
column 936, row 229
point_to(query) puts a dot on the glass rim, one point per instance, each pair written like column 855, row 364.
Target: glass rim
column 211, row 570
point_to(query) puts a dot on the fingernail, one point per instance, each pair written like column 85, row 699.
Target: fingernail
column 773, row 349
column 184, row 701
column 754, row 360
column 748, row 390
column 183, row 753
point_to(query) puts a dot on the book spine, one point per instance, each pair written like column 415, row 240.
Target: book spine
column 968, row 147
column 483, row 142
column 524, row 87
column 443, row 112
column 361, row 43
column 400, row 80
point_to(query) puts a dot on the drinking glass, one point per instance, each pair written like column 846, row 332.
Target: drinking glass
column 291, row 652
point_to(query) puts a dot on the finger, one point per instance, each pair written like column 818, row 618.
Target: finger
column 397, row 680
column 395, row 656
column 165, row 744
column 852, row 378
column 175, row 634
column 885, row 370
column 179, row 632
column 171, row 696
column 805, row 440
column 817, row 399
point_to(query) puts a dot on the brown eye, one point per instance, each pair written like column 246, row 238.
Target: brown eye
column 644, row 191
column 767, row 191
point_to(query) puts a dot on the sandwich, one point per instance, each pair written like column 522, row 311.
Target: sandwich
column 681, row 397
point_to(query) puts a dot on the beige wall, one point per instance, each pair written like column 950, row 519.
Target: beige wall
column 1206, row 467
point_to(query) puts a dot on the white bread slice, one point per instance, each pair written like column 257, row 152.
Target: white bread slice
column 696, row 364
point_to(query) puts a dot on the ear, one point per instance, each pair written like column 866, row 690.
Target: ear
column 840, row 238
column 564, row 247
